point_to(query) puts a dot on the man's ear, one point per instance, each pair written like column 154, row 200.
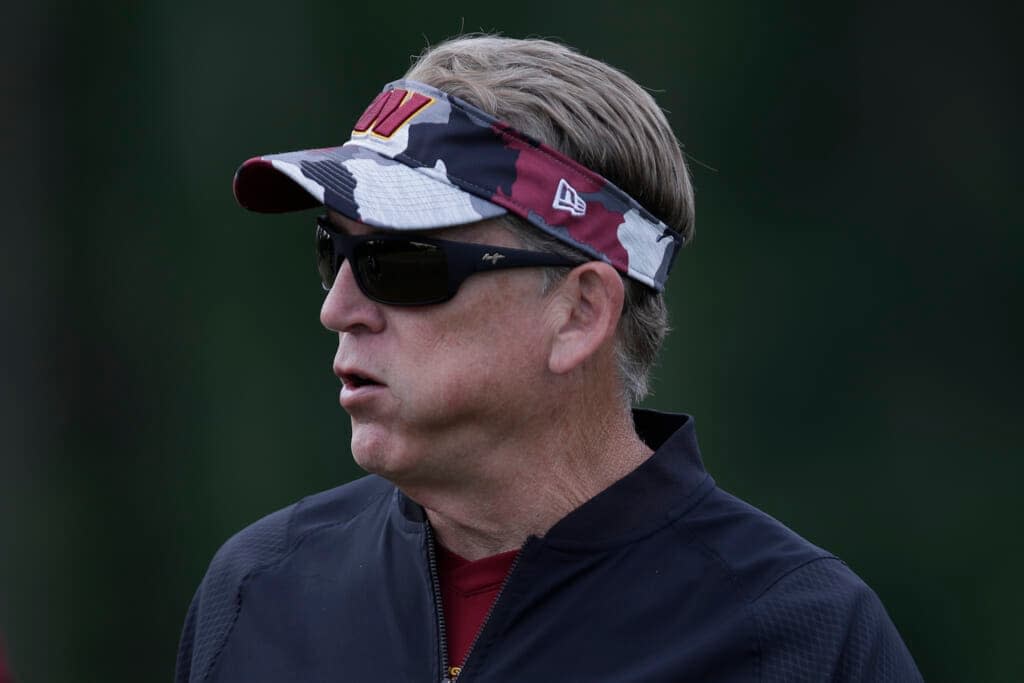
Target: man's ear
column 589, row 303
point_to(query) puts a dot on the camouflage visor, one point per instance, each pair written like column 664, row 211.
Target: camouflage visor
column 419, row 159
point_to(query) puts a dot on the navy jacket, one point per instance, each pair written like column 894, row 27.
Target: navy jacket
column 661, row 577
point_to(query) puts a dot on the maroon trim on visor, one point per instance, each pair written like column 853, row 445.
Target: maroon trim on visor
column 258, row 186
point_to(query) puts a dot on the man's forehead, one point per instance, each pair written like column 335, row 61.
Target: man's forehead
column 347, row 225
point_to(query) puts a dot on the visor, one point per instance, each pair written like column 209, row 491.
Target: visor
column 419, row 159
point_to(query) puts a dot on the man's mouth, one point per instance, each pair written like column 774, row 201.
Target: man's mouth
column 353, row 380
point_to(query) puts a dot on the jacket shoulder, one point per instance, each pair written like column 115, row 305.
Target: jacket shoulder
column 751, row 546
column 820, row 621
column 215, row 605
column 812, row 617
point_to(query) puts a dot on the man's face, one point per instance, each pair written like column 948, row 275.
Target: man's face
column 431, row 388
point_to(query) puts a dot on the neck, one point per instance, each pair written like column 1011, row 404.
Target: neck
column 529, row 482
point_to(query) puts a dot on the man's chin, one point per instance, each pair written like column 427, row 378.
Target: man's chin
column 378, row 451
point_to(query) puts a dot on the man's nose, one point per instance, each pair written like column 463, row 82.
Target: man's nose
column 347, row 309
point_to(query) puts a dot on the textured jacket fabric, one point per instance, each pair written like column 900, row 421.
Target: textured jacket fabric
column 661, row 577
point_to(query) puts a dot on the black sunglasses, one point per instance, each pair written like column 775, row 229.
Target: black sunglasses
column 414, row 271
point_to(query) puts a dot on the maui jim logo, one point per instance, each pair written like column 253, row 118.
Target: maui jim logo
column 391, row 110
column 492, row 258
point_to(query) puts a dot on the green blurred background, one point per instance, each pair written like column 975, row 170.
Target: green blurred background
column 846, row 325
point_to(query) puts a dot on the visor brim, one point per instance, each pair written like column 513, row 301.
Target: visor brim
column 360, row 184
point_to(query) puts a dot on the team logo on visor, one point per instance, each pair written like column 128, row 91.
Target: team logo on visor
column 391, row 110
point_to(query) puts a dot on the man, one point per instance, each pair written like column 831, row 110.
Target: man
column 496, row 238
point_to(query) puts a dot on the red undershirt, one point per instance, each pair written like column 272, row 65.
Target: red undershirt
column 468, row 589
column 5, row 673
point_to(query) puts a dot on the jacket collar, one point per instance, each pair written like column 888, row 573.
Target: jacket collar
column 658, row 491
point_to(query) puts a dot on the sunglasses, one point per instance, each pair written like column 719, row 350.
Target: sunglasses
column 403, row 270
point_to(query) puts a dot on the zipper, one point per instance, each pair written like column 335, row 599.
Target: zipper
column 487, row 618
column 438, row 607
column 447, row 673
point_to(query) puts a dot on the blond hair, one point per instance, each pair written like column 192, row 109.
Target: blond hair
column 598, row 116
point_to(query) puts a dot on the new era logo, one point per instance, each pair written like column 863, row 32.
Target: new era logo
column 568, row 199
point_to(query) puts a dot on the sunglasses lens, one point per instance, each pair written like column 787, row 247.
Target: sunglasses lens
column 325, row 258
column 402, row 272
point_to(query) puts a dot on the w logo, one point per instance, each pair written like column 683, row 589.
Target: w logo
column 391, row 110
column 568, row 199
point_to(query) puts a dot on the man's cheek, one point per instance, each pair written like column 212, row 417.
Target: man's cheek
column 452, row 393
